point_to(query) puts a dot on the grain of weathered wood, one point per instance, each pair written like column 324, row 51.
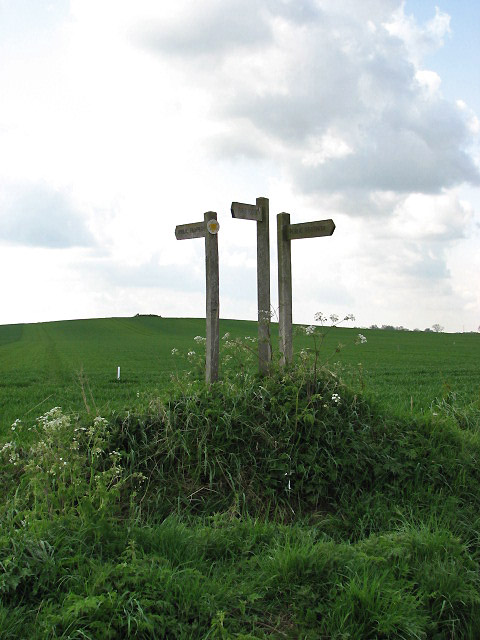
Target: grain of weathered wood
column 287, row 232
column 260, row 213
column 199, row 230
column 190, row 231
column 212, row 302
column 246, row 211
column 315, row 229
column 284, row 288
column 263, row 287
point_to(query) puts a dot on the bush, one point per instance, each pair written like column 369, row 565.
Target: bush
column 288, row 506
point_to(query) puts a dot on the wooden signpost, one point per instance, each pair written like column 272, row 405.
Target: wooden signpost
column 260, row 213
column 208, row 229
column 287, row 232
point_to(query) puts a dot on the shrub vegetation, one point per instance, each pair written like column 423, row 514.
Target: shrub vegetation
column 294, row 506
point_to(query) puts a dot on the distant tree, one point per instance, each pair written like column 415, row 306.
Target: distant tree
column 388, row 327
column 417, row 329
column 428, row 330
column 437, row 328
column 374, row 326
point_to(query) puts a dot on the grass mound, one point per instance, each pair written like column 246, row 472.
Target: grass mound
column 285, row 507
column 293, row 446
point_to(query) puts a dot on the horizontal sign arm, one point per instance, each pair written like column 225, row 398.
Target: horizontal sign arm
column 246, row 211
column 310, row 229
column 192, row 230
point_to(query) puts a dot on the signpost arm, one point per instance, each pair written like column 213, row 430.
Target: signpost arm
column 284, row 288
column 263, row 288
column 213, row 304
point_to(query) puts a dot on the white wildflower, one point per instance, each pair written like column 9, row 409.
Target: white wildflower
column 199, row 339
column 336, row 398
column 226, row 336
column 190, row 354
column 334, row 318
column 310, row 330
column 361, row 339
column 349, row 316
column 319, row 317
column 174, row 351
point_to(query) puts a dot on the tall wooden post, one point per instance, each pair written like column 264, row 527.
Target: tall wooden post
column 284, row 250
column 208, row 229
column 263, row 287
column 260, row 213
column 213, row 302
column 287, row 232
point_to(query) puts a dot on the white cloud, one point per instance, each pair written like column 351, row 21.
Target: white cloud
column 424, row 217
column 39, row 216
column 144, row 115
column 419, row 40
column 429, row 81
column 394, row 130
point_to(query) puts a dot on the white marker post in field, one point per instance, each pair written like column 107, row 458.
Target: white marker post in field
column 208, row 229
column 287, row 232
column 260, row 213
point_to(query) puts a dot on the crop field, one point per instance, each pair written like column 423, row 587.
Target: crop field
column 73, row 364
column 339, row 498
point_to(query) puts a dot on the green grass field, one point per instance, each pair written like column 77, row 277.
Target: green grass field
column 73, row 364
column 332, row 501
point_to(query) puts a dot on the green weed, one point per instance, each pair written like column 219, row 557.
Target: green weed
column 294, row 506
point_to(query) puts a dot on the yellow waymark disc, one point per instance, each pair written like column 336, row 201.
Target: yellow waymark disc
column 213, row 226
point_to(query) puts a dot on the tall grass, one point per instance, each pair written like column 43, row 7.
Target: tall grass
column 288, row 507
column 74, row 364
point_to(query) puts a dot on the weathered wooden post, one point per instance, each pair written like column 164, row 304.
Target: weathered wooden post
column 287, row 232
column 260, row 213
column 208, row 229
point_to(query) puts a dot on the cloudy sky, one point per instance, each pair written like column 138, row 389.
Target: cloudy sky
column 121, row 119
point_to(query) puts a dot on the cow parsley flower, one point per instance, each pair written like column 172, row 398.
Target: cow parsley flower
column 310, row 330
column 361, row 339
column 336, row 398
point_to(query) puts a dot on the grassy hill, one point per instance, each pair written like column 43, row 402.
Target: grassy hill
column 323, row 502
column 73, row 364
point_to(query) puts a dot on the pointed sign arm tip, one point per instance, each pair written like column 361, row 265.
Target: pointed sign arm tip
column 190, row 231
column 246, row 211
column 315, row 229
